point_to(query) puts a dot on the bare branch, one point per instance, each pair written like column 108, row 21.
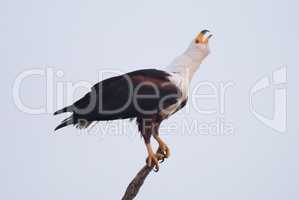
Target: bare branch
column 135, row 185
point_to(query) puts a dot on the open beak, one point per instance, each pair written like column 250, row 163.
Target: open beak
column 203, row 37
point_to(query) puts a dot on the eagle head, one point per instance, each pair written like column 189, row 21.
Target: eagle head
column 199, row 47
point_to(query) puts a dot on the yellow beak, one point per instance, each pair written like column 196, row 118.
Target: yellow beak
column 203, row 37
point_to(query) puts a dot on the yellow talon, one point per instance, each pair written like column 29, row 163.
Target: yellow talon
column 164, row 150
column 153, row 159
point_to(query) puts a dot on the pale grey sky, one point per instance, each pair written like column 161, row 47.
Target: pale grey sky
column 251, row 40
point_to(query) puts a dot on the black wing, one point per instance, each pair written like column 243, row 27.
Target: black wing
column 137, row 93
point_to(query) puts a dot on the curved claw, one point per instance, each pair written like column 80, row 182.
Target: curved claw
column 164, row 150
column 153, row 161
column 162, row 160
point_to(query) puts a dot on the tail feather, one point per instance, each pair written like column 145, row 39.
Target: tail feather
column 63, row 110
column 66, row 122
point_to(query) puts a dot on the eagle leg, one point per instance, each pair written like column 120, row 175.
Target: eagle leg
column 147, row 127
column 163, row 148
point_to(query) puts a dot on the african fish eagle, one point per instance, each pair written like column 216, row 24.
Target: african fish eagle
column 148, row 95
